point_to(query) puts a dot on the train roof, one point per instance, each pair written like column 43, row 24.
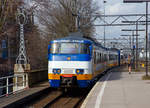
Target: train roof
column 78, row 37
column 74, row 36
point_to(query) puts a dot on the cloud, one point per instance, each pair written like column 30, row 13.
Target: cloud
column 122, row 8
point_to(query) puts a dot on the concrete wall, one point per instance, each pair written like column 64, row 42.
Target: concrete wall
column 36, row 76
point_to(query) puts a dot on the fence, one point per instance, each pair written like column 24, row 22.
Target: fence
column 12, row 84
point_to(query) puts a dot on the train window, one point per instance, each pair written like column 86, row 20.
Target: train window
column 70, row 48
column 94, row 57
column 111, row 57
column 54, row 48
column 105, row 57
column 100, row 57
column 121, row 56
column 65, row 48
column 116, row 56
column 84, row 48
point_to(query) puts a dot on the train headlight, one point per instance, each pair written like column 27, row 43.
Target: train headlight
column 79, row 71
column 56, row 71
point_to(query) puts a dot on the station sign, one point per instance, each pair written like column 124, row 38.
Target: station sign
column 135, row 1
column 4, row 44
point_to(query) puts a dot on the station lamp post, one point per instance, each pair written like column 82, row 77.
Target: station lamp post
column 146, row 37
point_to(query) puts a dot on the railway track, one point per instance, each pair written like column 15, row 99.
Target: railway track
column 43, row 99
column 52, row 96
column 70, row 99
column 56, row 98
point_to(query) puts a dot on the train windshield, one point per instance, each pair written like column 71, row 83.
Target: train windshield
column 70, row 48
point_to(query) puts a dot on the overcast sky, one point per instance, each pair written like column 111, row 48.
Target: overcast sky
column 116, row 7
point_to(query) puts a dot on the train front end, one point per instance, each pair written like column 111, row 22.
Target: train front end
column 70, row 63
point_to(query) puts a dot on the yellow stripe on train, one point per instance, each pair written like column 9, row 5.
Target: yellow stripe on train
column 84, row 77
column 79, row 77
column 111, row 65
column 54, row 76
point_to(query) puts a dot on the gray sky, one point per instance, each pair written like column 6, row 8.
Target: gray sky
column 116, row 7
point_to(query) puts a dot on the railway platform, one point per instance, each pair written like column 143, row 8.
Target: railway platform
column 119, row 89
column 11, row 100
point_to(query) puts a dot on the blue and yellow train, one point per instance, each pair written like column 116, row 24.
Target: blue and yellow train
column 75, row 61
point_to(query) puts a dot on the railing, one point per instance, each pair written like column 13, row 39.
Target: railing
column 12, row 84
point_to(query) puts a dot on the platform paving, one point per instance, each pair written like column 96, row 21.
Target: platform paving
column 21, row 96
column 119, row 89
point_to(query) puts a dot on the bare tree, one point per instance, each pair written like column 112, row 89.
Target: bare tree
column 8, row 9
column 36, row 49
column 9, row 30
column 56, row 16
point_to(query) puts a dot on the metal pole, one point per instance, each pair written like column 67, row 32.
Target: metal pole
column 23, row 80
column 104, row 20
column 133, row 50
column 22, row 58
column 16, row 83
column 146, row 37
column 7, row 85
column 130, row 42
column 136, row 45
column 27, row 85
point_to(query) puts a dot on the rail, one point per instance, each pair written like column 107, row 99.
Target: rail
column 12, row 84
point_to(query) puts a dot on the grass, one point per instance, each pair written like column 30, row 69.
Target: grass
column 146, row 77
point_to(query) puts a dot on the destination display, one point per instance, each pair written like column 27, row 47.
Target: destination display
column 135, row 1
